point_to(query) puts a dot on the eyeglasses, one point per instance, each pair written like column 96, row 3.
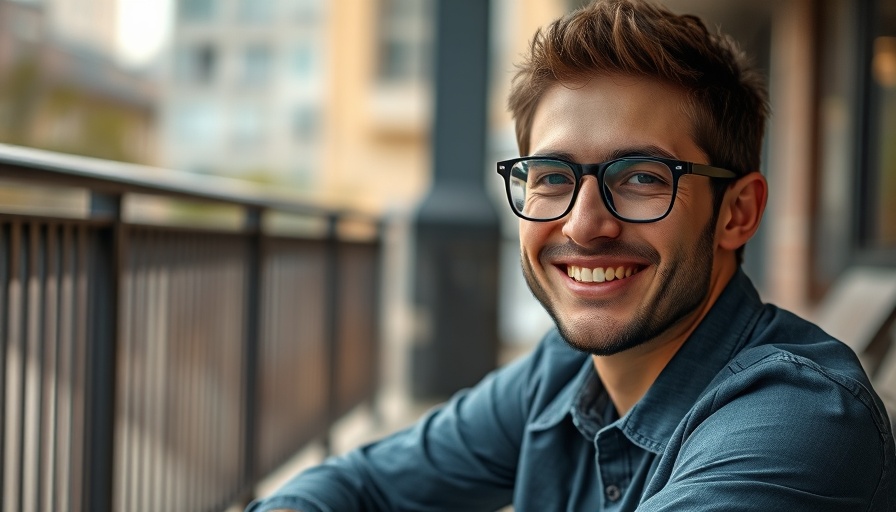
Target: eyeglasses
column 634, row 189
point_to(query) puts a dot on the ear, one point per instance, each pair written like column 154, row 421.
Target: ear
column 741, row 211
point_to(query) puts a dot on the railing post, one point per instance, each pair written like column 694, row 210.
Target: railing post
column 105, row 268
column 331, row 324
column 255, row 260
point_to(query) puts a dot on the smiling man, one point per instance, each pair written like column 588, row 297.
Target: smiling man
column 667, row 384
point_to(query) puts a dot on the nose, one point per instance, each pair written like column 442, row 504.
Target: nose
column 589, row 218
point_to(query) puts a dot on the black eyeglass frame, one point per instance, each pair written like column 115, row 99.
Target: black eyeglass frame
column 678, row 167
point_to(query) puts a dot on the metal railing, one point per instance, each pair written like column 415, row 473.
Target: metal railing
column 152, row 366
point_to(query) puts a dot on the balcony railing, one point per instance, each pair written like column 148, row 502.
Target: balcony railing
column 155, row 364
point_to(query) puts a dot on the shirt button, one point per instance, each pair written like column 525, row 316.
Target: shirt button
column 613, row 492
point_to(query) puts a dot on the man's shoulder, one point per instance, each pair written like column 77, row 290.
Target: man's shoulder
column 783, row 339
column 790, row 363
column 802, row 415
column 794, row 370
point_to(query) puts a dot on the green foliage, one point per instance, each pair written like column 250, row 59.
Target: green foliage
column 38, row 112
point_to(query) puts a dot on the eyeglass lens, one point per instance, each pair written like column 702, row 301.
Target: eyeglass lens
column 635, row 189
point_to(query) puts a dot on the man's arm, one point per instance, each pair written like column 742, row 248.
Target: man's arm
column 461, row 456
column 784, row 435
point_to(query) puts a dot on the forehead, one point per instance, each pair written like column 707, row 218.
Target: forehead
column 593, row 119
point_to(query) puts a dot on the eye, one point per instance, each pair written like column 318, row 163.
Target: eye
column 638, row 176
column 556, row 178
column 550, row 174
column 643, row 178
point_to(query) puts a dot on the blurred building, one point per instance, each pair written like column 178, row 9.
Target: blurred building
column 61, row 88
column 326, row 97
column 246, row 89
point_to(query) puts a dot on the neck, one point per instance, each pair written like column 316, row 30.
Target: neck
column 628, row 375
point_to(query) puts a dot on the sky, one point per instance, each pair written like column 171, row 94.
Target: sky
column 143, row 28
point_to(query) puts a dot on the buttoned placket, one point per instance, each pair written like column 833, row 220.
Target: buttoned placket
column 614, row 467
column 595, row 418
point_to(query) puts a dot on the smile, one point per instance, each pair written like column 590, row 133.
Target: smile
column 600, row 275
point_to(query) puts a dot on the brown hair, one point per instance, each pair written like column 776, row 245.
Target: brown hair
column 726, row 98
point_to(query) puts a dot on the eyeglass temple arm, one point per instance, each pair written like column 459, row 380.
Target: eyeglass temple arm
column 712, row 172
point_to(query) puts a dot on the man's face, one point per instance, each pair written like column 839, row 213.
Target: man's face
column 662, row 271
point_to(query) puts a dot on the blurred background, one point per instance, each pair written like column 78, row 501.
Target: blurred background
column 353, row 105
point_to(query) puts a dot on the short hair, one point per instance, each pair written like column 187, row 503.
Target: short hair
column 726, row 97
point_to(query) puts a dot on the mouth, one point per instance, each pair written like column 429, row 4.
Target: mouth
column 601, row 274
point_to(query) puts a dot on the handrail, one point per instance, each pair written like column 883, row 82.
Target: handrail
column 121, row 177
column 155, row 367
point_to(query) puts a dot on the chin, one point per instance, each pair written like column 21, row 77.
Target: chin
column 600, row 337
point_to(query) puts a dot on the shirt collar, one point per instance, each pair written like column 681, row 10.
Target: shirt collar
column 710, row 348
column 650, row 423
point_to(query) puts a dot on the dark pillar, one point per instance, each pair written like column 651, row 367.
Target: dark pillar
column 456, row 231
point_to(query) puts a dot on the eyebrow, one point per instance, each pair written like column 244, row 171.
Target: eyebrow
column 645, row 150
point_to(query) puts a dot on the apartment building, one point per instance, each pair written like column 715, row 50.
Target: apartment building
column 245, row 89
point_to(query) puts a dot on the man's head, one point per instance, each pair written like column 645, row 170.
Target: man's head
column 727, row 102
column 627, row 79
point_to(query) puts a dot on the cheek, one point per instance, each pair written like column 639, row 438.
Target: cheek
column 692, row 210
column 694, row 198
column 533, row 237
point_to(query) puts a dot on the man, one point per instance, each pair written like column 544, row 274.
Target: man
column 667, row 384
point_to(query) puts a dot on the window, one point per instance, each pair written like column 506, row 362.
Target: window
column 405, row 40
column 302, row 172
column 256, row 65
column 196, row 10
column 305, row 12
column 195, row 123
column 256, row 11
column 248, row 124
column 196, row 64
column 302, row 61
column 305, row 123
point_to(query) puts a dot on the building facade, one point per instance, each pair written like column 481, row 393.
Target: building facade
column 244, row 89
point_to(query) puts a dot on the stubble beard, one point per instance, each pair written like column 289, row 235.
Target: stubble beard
column 681, row 293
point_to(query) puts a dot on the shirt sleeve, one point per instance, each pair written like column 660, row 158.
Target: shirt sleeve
column 461, row 456
column 781, row 435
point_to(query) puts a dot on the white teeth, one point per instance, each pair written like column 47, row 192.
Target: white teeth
column 586, row 275
column 599, row 275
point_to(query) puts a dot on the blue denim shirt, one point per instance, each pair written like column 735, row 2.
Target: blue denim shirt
column 759, row 410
